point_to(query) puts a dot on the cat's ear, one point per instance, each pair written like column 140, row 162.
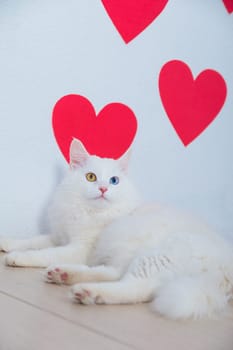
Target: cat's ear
column 124, row 160
column 78, row 154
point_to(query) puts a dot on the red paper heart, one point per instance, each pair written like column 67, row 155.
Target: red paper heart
column 107, row 135
column 191, row 104
column 229, row 5
column 131, row 17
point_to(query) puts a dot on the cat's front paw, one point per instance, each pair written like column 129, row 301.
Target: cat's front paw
column 6, row 245
column 15, row 259
column 56, row 274
column 86, row 294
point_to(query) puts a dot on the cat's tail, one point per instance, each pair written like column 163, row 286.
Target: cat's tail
column 192, row 297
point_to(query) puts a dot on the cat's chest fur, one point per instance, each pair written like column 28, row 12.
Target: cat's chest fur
column 71, row 220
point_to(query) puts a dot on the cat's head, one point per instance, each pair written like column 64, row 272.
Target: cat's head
column 100, row 182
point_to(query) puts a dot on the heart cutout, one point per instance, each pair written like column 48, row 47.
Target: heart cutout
column 107, row 135
column 191, row 104
column 229, row 5
column 131, row 17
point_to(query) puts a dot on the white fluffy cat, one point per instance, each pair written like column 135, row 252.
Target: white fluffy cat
column 114, row 249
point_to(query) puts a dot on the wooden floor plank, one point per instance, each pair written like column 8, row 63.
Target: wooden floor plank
column 23, row 327
column 134, row 325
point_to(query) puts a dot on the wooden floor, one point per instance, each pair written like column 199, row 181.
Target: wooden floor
column 35, row 315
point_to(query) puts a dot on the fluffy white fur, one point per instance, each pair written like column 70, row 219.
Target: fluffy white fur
column 114, row 249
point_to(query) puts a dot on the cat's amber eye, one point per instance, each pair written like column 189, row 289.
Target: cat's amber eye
column 91, row 177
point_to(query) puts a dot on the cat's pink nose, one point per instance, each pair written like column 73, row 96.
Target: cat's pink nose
column 103, row 189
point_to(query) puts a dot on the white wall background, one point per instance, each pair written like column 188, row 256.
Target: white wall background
column 50, row 48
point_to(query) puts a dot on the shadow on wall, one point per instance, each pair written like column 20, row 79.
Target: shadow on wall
column 43, row 224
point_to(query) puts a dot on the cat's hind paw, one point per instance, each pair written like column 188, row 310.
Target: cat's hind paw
column 55, row 274
column 85, row 294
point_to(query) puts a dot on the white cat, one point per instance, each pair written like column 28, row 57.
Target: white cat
column 116, row 250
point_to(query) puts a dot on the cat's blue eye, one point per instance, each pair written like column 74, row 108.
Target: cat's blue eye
column 114, row 180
